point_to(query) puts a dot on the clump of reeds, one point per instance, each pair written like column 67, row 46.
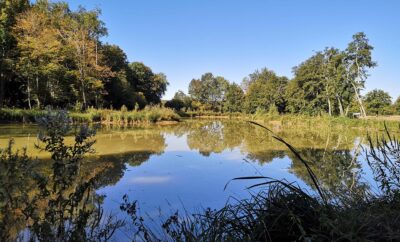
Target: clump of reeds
column 147, row 115
column 123, row 116
column 20, row 115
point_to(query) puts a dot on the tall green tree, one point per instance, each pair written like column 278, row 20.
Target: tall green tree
column 307, row 94
column 209, row 89
column 177, row 102
column 377, row 101
column 180, row 98
column 9, row 10
column 197, row 90
column 396, row 106
column 41, row 54
column 265, row 89
column 151, row 85
column 80, row 31
column 119, row 90
column 358, row 61
column 338, row 91
column 234, row 98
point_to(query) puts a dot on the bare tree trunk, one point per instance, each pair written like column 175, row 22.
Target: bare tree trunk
column 28, row 90
column 37, row 91
column 328, row 96
column 329, row 107
column 363, row 113
column 2, row 78
column 96, row 52
column 340, row 106
column 2, row 89
column 362, row 110
column 83, row 95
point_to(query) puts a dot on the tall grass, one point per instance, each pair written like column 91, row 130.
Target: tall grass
column 123, row 116
column 20, row 115
column 149, row 114
column 212, row 114
column 298, row 120
column 322, row 121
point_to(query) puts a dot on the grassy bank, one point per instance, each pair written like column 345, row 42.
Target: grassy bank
column 158, row 114
column 106, row 116
column 210, row 114
column 306, row 121
column 323, row 121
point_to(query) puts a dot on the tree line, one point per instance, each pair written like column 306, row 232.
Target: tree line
column 51, row 55
column 329, row 82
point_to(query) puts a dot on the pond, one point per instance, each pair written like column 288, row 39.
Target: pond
column 186, row 166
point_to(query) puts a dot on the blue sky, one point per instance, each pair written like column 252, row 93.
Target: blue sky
column 232, row 38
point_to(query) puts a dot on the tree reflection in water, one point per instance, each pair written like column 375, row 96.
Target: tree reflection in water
column 329, row 152
column 60, row 204
column 55, row 200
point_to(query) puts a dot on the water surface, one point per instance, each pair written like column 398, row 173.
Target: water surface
column 187, row 165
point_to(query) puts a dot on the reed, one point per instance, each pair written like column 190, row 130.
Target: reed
column 107, row 116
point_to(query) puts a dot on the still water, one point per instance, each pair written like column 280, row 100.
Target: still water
column 187, row 165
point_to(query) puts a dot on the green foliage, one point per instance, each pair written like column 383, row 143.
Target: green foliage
column 151, row 85
column 396, row 106
column 234, row 98
column 179, row 101
column 9, row 10
column 75, row 67
column 377, row 101
column 175, row 104
column 329, row 82
column 118, row 88
column 265, row 89
column 209, row 90
column 358, row 60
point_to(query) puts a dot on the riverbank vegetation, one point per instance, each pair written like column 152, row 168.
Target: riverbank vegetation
column 150, row 114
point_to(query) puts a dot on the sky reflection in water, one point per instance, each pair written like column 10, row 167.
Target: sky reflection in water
column 188, row 165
